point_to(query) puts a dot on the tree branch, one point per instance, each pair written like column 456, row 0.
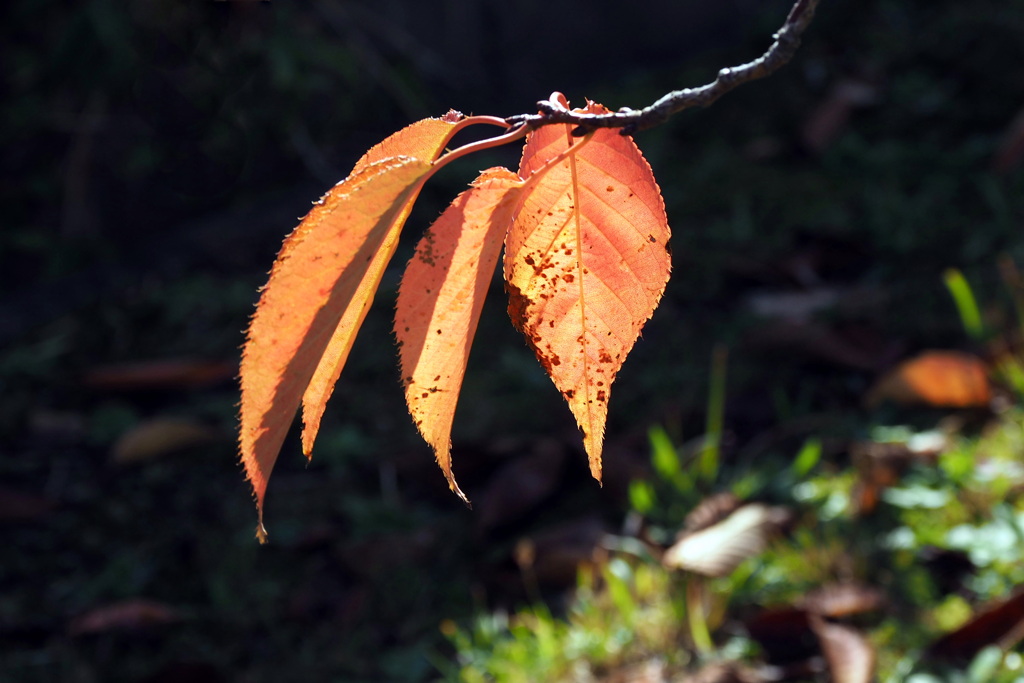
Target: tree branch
column 787, row 40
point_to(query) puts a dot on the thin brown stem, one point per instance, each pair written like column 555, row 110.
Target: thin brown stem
column 787, row 40
column 513, row 134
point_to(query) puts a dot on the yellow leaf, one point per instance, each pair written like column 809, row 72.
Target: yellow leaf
column 317, row 277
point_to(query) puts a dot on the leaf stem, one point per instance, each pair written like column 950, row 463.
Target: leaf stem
column 515, row 133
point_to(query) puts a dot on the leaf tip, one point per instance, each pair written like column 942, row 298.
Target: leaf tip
column 456, row 490
column 261, row 533
column 595, row 468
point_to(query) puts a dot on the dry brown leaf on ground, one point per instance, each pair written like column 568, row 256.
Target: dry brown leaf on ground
column 718, row 549
column 160, row 437
column 842, row 599
column 1000, row 624
column 135, row 614
column 160, row 374
column 850, row 657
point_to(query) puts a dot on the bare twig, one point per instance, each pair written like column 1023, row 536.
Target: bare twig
column 787, row 40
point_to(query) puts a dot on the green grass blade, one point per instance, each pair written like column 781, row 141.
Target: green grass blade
column 965, row 302
column 708, row 464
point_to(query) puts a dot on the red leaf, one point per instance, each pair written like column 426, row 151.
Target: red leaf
column 586, row 263
column 440, row 300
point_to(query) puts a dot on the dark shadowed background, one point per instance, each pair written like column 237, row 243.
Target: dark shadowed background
column 155, row 155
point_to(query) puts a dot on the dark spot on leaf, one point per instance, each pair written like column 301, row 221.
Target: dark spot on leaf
column 604, row 357
column 650, row 238
column 569, row 393
column 601, row 395
column 569, row 277
column 609, row 189
column 425, row 394
column 439, row 331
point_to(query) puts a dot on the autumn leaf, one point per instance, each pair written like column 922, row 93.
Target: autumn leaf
column 1000, row 623
column 947, row 379
column 440, row 300
column 317, row 277
column 134, row 614
column 850, row 657
column 586, row 263
column 423, row 140
column 161, row 436
column 717, row 550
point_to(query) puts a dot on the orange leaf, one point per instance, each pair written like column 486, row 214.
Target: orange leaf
column 440, row 300
column 586, row 263
column 317, row 277
column 423, row 140
column 946, row 379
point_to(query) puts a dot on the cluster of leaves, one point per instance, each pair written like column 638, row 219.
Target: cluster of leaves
column 586, row 260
